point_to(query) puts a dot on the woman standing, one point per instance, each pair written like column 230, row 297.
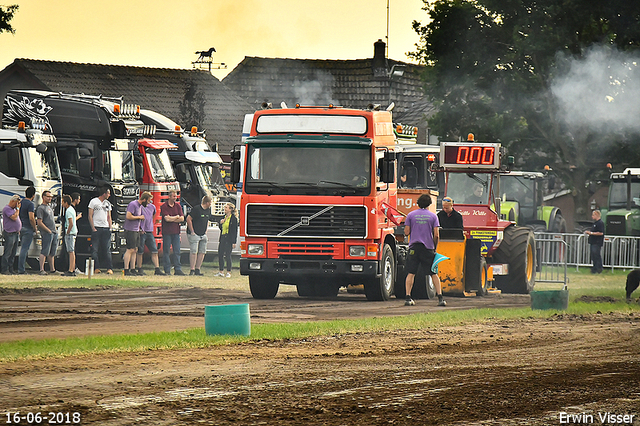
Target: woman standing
column 228, row 234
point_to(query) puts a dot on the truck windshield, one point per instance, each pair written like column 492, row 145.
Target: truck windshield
column 618, row 194
column 309, row 169
column 469, row 188
column 45, row 165
column 208, row 176
column 119, row 166
column 160, row 165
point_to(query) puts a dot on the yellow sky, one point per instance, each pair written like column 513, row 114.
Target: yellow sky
column 165, row 33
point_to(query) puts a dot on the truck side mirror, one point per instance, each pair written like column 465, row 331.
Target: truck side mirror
column 387, row 168
column 14, row 160
column 84, row 167
column 235, row 165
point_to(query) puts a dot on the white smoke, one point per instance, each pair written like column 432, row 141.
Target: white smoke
column 318, row 91
column 600, row 91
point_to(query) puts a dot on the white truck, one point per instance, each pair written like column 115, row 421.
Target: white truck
column 28, row 157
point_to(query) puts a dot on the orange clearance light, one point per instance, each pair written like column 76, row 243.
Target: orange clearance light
column 178, row 128
column 431, row 158
column 470, row 137
column 297, row 105
column 399, row 128
column 137, row 109
column 194, row 130
column 415, row 130
column 21, row 126
column 609, row 166
column 547, row 168
column 116, row 109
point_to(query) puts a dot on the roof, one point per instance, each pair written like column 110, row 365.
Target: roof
column 348, row 83
column 158, row 89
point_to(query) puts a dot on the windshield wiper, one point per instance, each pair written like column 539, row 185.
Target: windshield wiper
column 346, row 185
column 273, row 185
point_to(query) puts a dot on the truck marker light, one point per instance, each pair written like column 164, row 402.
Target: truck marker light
column 116, row 109
column 194, row 131
column 372, row 250
column 21, row 126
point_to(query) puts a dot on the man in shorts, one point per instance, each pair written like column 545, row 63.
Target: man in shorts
column 71, row 231
column 197, row 223
column 421, row 226
column 47, row 227
column 132, row 226
column 146, row 234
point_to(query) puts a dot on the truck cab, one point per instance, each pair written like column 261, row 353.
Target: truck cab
column 622, row 215
column 28, row 157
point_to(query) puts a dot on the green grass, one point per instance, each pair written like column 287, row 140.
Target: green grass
column 581, row 283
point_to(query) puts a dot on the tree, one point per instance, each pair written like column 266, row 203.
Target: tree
column 508, row 70
column 6, row 15
column 192, row 106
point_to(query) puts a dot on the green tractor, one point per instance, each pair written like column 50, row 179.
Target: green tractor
column 622, row 215
column 523, row 202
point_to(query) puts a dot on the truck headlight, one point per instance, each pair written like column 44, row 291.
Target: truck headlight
column 255, row 249
column 356, row 251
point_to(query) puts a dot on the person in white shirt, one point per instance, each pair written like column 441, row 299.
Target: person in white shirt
column 100, row 221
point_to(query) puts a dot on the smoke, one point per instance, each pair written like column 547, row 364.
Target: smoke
column 317, row 91
column 600, row 91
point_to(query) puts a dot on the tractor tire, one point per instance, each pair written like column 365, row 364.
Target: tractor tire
column 382, row 288
column 484, row 271
column 518, row 249
column 263, row 288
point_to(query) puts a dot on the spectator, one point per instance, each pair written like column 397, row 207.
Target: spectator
column 47, row 227
column 100, row 221
column 71, row 231
column 172, row 217
column 596, row 240
column 197, row 223
column 11, row 226
column 448, row 217
column 228, row 233
column 132, row 226
column 64, row 253
column 146, row 236
column 29, row 227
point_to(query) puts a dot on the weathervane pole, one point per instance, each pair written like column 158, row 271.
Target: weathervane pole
column 387, row 47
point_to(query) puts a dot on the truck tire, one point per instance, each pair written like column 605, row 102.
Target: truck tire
column 263, row 288
column 382, row 288
column 518, row 249
column 423, row 287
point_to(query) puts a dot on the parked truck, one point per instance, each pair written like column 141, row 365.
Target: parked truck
column 28, row 157
column 98, row 140
column 317, row 187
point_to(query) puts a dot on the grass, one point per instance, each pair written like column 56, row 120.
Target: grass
column 581, row 283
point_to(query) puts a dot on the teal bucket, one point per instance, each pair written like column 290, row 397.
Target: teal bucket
column 227, row 319
column 550, row 299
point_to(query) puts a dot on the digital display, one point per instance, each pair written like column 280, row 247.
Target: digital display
column 470, row 155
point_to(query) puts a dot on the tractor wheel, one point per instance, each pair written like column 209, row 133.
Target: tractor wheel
column 263, row 288
column 483, row 278
column 518, row 249
column 382, row 288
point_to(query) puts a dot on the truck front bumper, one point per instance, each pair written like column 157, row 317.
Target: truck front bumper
column 349, row 270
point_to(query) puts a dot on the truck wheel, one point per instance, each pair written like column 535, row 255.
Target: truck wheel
column 382, row 288
column 518, row 249
column 483, row 278
column 263, row 288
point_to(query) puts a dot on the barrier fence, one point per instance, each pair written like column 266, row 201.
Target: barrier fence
column 618, row 252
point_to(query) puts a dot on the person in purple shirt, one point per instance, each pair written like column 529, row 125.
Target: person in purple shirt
column 132, row 227
column 11, row 226
column 146, row 234
column 421, row 226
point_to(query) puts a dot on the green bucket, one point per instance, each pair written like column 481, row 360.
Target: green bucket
column 227, row 319
column 550, row 299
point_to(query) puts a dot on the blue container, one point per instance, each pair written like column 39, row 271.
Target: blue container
column 227, row 319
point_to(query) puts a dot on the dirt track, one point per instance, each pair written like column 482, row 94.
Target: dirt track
column 524, row 372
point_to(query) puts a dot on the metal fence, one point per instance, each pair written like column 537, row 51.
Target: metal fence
column 551, row 259
column 618, row 252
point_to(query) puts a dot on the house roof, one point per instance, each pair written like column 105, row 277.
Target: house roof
column 348, row 83
column 158, row 89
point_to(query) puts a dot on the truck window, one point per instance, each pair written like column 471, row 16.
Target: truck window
column 10, row 162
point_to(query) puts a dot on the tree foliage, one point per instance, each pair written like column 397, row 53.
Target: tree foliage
column 191, row 107
column 6, row 15
column 509, row 70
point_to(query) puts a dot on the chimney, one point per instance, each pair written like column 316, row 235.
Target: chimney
column 379, row 63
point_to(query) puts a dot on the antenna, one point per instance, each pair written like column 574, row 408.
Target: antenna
column 205, row 60
column 387, row 46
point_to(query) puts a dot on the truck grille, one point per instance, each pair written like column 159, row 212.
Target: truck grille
column 306, row 221
column 616, row 225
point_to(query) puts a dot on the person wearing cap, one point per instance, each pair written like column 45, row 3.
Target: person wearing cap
column 448, row 217
column 11, row 226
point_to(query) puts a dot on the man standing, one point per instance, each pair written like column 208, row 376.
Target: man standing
column 132, row 226
column 421, row 226
column 29, row 227
column 197, row 222
column 146, row 235
column 47, row 227
column 448, row 217
column 11, row 226
column 172, row 217
column 100, row 221
column 596, row 240
column 71, row 231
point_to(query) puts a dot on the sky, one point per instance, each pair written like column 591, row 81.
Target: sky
column 166, row 34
